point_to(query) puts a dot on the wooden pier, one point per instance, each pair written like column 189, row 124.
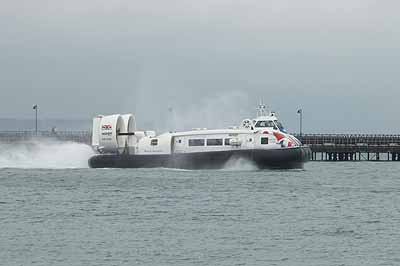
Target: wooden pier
column 325, row 147
column 347, row 147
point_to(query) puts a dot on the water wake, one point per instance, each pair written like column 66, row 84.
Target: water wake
column 44, row 154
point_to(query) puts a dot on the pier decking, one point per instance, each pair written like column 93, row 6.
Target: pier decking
column 325, row 147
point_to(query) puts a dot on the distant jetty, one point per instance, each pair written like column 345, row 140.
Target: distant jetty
column 325, row 147
column 352, row 147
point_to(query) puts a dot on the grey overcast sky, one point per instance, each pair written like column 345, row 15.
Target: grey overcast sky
column 211, row 60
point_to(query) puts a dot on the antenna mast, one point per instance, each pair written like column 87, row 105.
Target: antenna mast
column 262, row 109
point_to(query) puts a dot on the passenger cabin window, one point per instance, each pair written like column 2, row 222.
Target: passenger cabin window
column 227, row 142
column 214, row 142
column 264, row 140
column 154, row 142
column 265, row 124
column 196, row 142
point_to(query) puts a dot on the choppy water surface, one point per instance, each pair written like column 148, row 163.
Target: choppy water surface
column 327, row 214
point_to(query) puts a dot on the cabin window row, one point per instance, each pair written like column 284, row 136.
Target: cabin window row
column 217, row 142
column 209, row 142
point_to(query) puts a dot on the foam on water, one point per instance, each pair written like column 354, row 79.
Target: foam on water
column 44, row 154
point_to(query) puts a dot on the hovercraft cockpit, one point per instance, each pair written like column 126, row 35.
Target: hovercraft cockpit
column 264, row 120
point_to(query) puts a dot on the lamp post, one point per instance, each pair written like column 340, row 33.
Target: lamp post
column 300, row 112
column 35, row 107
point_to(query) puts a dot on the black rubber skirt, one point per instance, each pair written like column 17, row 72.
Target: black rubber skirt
column 284, row 158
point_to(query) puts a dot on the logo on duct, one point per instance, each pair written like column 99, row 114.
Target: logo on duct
column 106, row 127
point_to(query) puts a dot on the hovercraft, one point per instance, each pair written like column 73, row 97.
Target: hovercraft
column 262, row 141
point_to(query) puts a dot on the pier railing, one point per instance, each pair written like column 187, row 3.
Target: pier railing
column 349, row 139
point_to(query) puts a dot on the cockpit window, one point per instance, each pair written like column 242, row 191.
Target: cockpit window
column 265, row 124
column 280, row 126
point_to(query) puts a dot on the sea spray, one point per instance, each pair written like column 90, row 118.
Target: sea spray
column 44, row 153
column 217, row 111
column 240, row 164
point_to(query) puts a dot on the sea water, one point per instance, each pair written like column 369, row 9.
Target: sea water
column 338, row 213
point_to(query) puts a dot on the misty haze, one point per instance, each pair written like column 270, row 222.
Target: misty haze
column 211, row 61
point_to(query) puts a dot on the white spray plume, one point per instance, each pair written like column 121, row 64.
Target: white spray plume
column 44, row 154
column 240, row 164
column 219, row 111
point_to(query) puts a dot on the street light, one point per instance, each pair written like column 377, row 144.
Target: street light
column 300, row 112
column 35, row 107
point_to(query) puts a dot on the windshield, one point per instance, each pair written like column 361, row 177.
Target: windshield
column 279, row 125
column 265, row 124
